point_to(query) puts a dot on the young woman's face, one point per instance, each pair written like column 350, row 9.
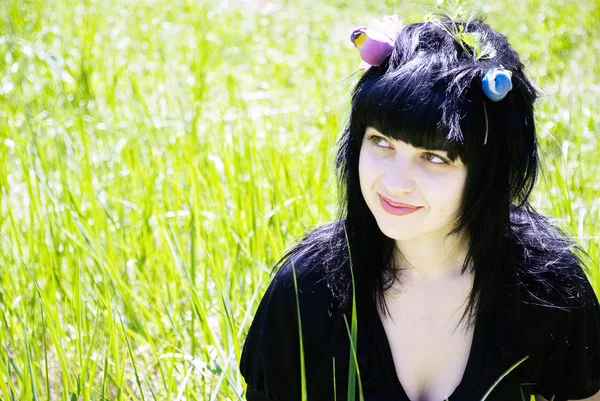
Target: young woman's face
column 412, row 192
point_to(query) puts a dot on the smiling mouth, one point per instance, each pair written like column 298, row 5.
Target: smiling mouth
column 397, row 208
column 398, row 204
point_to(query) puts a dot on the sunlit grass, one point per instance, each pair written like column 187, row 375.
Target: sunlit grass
column 156, row 158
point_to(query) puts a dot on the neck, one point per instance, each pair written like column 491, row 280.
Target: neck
column 427, row 259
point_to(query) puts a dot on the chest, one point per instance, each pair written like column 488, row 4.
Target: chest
column 430, row 347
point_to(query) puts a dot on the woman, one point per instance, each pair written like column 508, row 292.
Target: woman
column 455, row 278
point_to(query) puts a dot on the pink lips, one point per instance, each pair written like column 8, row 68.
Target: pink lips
column 397, row 208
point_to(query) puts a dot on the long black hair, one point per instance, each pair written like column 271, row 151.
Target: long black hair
column 428, row 93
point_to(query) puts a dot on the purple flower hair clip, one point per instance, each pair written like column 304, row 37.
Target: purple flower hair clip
column 374, row 46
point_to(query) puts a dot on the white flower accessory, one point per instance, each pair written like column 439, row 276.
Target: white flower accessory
column 389, row 24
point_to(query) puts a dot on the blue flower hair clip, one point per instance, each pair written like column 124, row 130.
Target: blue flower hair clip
column 497, row 83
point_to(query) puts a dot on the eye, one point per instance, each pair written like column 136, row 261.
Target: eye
column 379, row 141
column 435, row 159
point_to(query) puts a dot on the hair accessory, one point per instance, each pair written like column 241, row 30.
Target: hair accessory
column 374, row 46
column 497, row 83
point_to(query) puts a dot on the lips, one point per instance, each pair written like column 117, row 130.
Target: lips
column 398, row 204
column 397, row 208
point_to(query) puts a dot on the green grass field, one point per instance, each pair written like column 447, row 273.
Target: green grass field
column 156, row 158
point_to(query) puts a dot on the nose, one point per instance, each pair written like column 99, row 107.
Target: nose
column 399, row 178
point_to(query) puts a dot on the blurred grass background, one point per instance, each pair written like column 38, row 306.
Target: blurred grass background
column 157, row 157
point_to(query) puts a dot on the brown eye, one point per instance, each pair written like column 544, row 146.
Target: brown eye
column 379, row 141
column 435, row 159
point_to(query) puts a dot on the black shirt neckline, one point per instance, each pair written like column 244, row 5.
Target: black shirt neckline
column 470, row 376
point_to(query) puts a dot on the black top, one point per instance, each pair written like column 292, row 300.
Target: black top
column 562, row 345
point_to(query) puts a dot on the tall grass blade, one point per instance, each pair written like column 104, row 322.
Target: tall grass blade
column 353, row 370
column 137, row 378
column 520, row 361
column 302, row 366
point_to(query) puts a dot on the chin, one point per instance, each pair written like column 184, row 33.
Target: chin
column 397, row 232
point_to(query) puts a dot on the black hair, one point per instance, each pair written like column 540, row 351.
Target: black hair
column 428, row 93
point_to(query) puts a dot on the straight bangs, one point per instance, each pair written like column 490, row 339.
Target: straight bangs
column 405, row 106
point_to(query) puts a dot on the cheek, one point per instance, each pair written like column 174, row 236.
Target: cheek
column 447, row 192
column 365, row 168
column 371, row 167
column 367, row 174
